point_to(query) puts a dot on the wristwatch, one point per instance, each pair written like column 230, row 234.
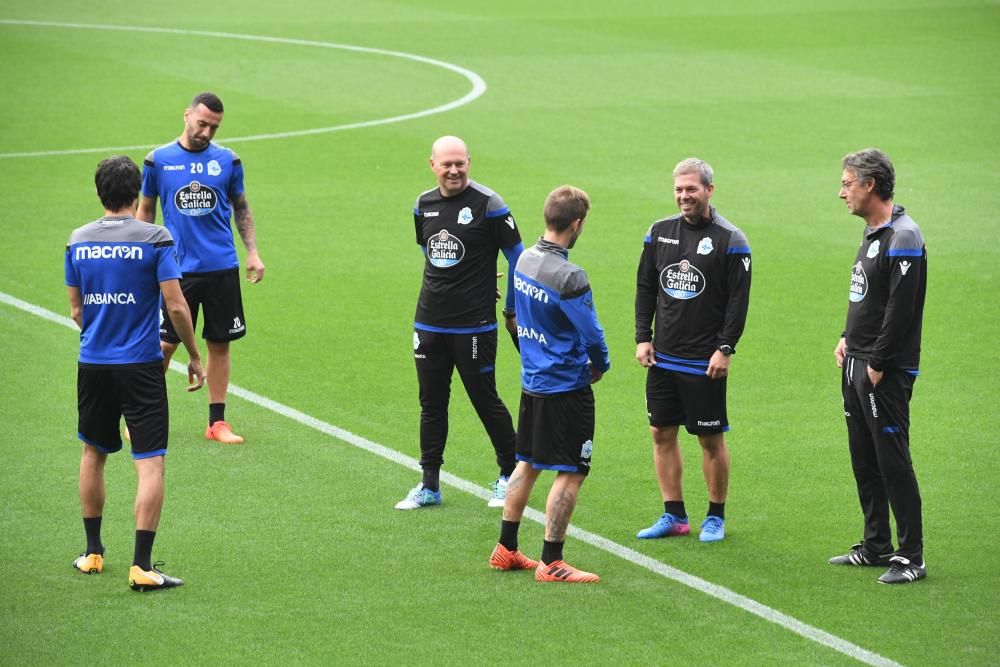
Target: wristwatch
column 508, row 314
column 727, row 350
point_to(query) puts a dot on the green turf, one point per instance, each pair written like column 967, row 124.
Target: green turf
column 290, row 545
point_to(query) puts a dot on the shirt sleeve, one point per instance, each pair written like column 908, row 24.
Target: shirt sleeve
column 581, row 312
column 738, row 278
column 512, row 255
column 150, row 188
column 236, row 187
column 72, row 279
column 418, row 224
column 645, row 291
column 167, row 265
column 505, row 228
column 578, row 306
column 907, row 265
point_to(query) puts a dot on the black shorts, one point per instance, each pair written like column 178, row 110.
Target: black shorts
column 218, row 294
column 557, row 432
column 696, row 401
column 139, row 393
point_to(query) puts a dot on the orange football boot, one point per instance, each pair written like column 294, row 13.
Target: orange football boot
column 222, row 432
column 560, row 570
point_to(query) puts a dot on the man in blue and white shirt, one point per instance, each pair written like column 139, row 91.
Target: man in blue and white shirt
column 200, row 187
column 116, row 269
column 563, row 352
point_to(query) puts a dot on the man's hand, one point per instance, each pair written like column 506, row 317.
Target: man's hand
column 874, row 376
column 255, row 267
column 718, row 366
column 645, row 355
column 499, row 276
column 595, row 375
column 196, row 376
column 840, row 352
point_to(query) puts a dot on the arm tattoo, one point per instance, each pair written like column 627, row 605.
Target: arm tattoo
column 244, row 223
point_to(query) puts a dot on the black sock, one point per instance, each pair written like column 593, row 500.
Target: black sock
column 216, row 413
column 551, row 552
column 432, row 479
column 675, row 507
column 717, row 509
column 144, row 549
column 92, row 525
column 508, row 534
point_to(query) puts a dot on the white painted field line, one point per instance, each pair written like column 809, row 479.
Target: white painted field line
column 708, row 588
column 478, row 85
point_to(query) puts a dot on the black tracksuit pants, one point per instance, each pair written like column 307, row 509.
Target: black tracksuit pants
column 437, row 355
column 878, row 429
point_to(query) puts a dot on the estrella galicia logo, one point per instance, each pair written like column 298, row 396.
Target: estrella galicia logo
column 682, row 280
column 445, row 250
column 859, row 283
column 465, row 216
column 195, row 199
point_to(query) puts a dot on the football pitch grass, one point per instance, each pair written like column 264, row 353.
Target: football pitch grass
column 289, row 545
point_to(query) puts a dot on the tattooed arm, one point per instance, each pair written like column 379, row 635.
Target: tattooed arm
column 243, row 217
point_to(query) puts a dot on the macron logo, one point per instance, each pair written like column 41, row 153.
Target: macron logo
column 108, row 252
column 661, row 239
column 536, row 293
column 904, row 266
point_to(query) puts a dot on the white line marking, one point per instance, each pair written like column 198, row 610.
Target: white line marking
column 708, row 588
column 478, row 85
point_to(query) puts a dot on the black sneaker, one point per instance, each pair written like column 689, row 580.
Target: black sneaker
column 860, row 556
column 903, row 571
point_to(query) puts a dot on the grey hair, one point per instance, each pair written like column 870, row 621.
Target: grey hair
column 693, row 165
column 871, row 164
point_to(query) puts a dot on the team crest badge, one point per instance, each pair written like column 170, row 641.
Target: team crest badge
column 705, row 246
column 873, row 249
column 416, row 341
column 213, row 168
column 465, row 216
column 587, row 450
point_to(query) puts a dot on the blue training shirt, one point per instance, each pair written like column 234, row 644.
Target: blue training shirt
column 557, row 325
column 196, row 189
column 118, row 264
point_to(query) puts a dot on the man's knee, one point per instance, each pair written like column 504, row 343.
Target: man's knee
column 713, row 443
column 664, row 436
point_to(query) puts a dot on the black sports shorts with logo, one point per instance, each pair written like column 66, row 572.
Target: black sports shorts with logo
column 696, row 401
column 218, row 294
column 556, row 432
column 136, row 391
